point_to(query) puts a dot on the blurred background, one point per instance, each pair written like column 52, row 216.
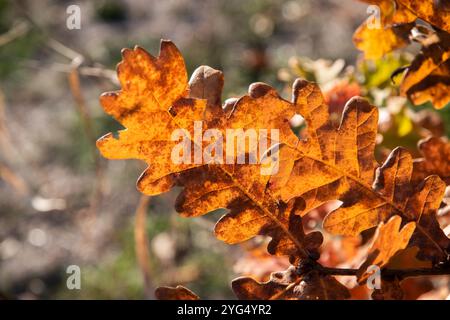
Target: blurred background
column 61, row 204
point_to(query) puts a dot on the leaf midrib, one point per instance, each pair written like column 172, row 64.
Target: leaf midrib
column 260, row 205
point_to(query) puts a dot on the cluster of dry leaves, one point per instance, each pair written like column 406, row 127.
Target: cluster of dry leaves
column 387, row 214
column 402, row 22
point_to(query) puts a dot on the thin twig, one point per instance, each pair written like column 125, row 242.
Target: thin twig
column 13, row 180
column 400, row 273
column 88, row 71
column 7, row 172
column 19, row 29
column 75, row 88
column 76, row 59
column 141, row 243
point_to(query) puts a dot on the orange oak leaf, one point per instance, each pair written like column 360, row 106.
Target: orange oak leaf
column 393, row 26
column 177, row 293
column 331, row 162
column 436, row 159
column 152, row 90
column 338, row 163
column 321, row 167
column 396, row 19
column 289, row 285
column 388, row 240
column 435, row 12
column 394, row 194
column 258, row 263
column 157, row 100
column 408, row 257
column 390, row 290
column 428, row 76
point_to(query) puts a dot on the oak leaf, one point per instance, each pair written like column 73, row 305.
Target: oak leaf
column 177, row 293
column 436, row 159
column 289, row 285
column 157, row 99
column 394, row 194
column 435, row 12
column 408, row 257
column 390, row 32
column 388, row 240
column 150, row 88
column 338, row 163
column 258, row 263
column 331, row 163
column 428, row 76
column 390, row 290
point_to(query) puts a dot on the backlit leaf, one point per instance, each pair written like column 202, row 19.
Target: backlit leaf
column 290, row 286
column 436, row 159
column 389, row 239
column 178, row 293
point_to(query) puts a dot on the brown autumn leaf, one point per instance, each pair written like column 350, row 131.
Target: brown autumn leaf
column 428, row 123
column 258, row 263
column 435, row 12
column 333, row 163
column 338, row 163
column 177, row 293
column 415, row 287
column 247, row 217
column 398, row 196
column 136, row 104
column 396, row 20
column 390, row 290
column 279, row 286
column 319, row 168
column 436, row 159
column 433, row 88
column 341, row 250
column 360, row 293
column 289, row 285
column 402, row 289
column 388, row 240
column 156, row 100
column 433, row 244
column 212, row 187
column 407, row 257
column 315, row 286
column 428, row 76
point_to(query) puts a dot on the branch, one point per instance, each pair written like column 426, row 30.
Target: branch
column 19, row 29
column 400, row 273
column 141, row 244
